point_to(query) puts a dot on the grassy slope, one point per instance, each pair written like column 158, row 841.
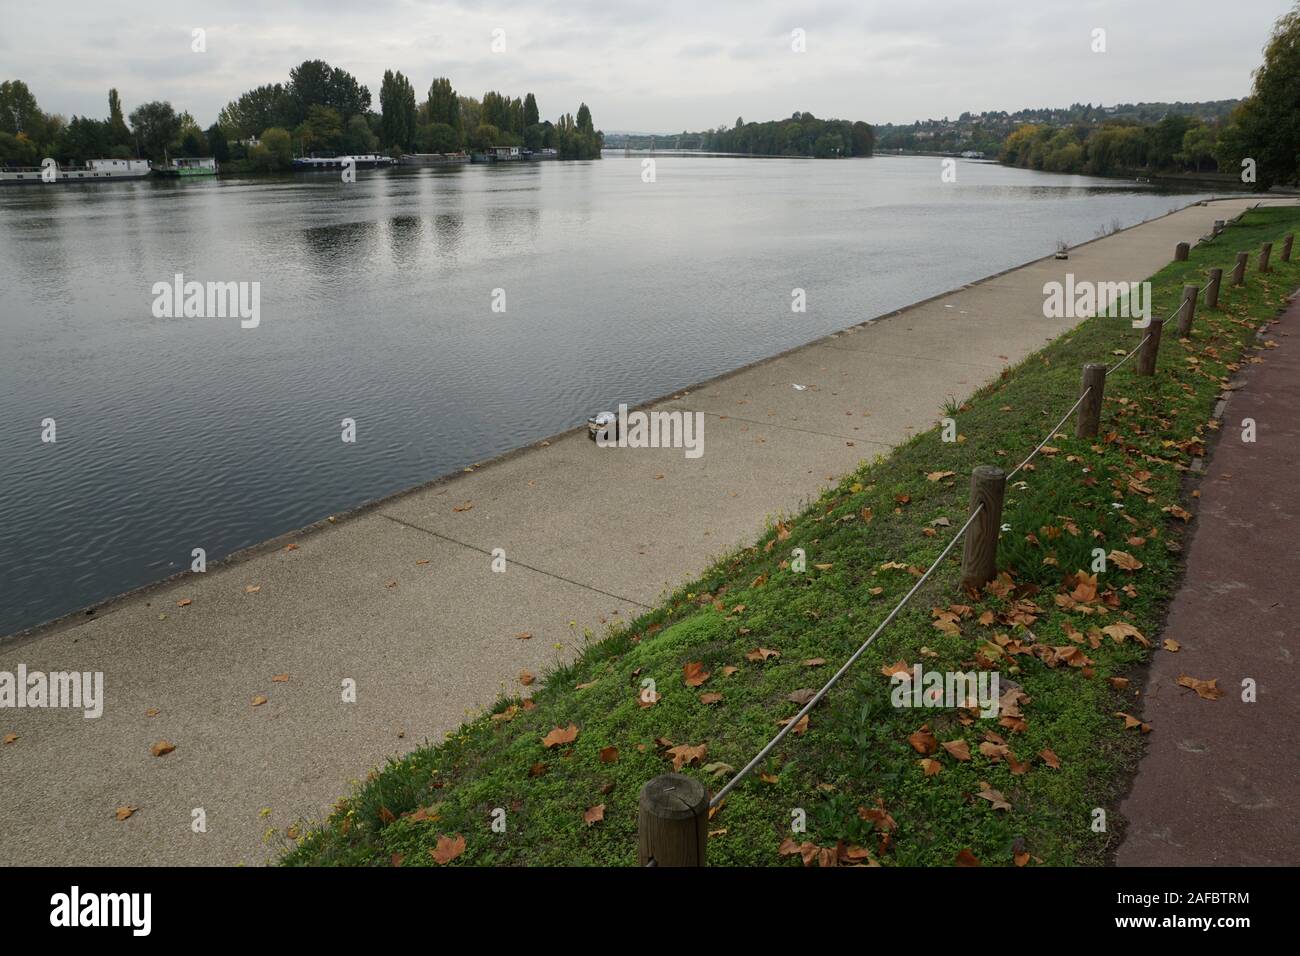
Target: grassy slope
column 856, row 748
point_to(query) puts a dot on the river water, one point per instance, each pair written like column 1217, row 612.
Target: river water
column 376, row 303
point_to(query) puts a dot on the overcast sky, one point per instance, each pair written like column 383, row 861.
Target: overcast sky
column 651, row 65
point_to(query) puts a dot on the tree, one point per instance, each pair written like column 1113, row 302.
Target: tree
column 357, row 137
column 1266, row 126
column 485, row 135
column 321, row 130
column 443, row 105
column 20, row 114
column 155, row 126
column 397, row 103
column 439, row 138
column 217, row 144
column 118, row 134
column 531, row 117
column 316, row 83
column 275, row 152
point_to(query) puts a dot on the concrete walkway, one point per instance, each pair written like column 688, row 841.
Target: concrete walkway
column 1218, row 783
column 400, row 598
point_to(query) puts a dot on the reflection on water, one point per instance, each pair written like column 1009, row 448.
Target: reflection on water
column 376, row 305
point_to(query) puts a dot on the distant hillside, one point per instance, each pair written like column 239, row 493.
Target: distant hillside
column 986, row 132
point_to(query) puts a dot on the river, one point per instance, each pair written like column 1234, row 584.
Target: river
column 452, row 314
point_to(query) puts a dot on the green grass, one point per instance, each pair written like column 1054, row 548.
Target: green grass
column 855, row 751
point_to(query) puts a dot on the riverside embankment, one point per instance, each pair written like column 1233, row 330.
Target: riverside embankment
column 400, row 602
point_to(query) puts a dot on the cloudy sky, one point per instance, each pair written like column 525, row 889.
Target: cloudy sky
column 652, row 65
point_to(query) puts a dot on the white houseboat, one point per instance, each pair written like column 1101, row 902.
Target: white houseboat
column 363, row 161
column 96, row 170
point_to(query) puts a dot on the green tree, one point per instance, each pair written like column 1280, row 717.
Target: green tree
column 443, row 105
column 274, row 153
column 322, row 130
column 217, row 145
column 1266, row 126
column 19, row 112
column 397, row 105
column 531, row 116
column 357, row 137
column 118, row 133
column 156, row 126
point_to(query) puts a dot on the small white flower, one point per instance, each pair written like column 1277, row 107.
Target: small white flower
column 1006, row 527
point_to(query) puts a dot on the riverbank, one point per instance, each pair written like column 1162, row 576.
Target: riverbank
column 733, row 655
column 400, row 599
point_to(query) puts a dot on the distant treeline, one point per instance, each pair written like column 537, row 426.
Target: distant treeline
column 1259, row 141
column 320, row 109
column 801, row 135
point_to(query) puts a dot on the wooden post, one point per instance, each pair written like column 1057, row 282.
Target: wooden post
column 1094, row 377
column 1212, row 293
column 1264, row 252
column 979, row 563
column 1150, row 348
column 672, row 821
column 1180, row 252
column 1239, row 270
column 1218, row 226
column 1286, row 246
column 1187, row 310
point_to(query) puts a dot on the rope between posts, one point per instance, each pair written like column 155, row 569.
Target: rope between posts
column 880, row 628
column 793, row 721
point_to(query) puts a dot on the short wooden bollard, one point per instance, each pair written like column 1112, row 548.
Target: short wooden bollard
column 1212, row 293
column 1286, row 246
column 1092, row 390
column 1218, row 226
column 1264, row 252
column 1187, row 310
column 672, row 823
column 1180, row 252
column 1239, row 270
column 1150, row 348
column 979, row 563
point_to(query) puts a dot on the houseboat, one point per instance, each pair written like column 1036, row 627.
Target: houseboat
column 189, row 166
column 498, row 154
column 362, row 161
column 95, row 171
column 433, row 159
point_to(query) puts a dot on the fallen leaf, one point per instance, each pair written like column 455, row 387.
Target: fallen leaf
column 560, row 735
column 1125, row 560
column 594, row 814
column 995, row 798
column 162, row 748
column 694, row 674
column 1205, row 689
column 959, row 749
column 184, row 602
column 710, row 698
column 967, row 858
column 930, row 766
column 1172, row 646
column 761, row 654
column 801, row 696
column 609, row 755
column 152, row 712
column 1050, row 758
column 923, row 741
column 684, row 755
column 259, row 700
column 252, row 588
column 448, row 848
column 125, row 812
column 465, row 506
column 526, row 678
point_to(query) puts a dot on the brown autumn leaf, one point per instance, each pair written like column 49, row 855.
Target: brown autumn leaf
column 710, row 698
column 814, row 662
column 259, row 700
column 280, row 678
column 684, row 755
column 1119, row 683
column 524, row 636
column 761, row 654
column 463, row 506
column 423, row 814
column 1021, row 859
column 800, row 728
column 1130, row 722
column 448, row 848
column 930, row 766
column 959, row 749
column 1118, row 632
column 252, row 588
column 560, row 735
column 152, row 712
column 967, row 858
column 923, row 741
column 162, row 748
column 898, row 667
column 1050, row 758
column 526, row 678
column 694, row 673
column 801, row 696
column 995, row 798
column 1172, row 646
column 939, row 475
column 184, row 602
column 594, row 814
column 1205, row 689
column 291, row 547
column 994, row 752
column 609, row 755
column 1124, row 560
column 125, row 812
column 648, row 698
column 386, row 815
column 538, row 770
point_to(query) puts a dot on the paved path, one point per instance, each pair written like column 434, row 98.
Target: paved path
column 592, row 536
column 1219, row 782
